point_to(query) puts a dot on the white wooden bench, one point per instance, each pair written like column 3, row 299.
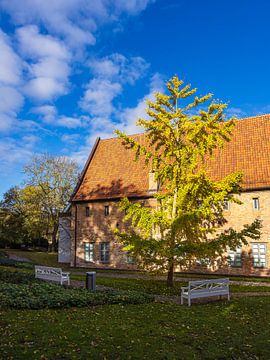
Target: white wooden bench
column 51, row 273
column 205, row 288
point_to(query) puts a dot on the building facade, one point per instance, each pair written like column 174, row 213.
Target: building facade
column 111, row 173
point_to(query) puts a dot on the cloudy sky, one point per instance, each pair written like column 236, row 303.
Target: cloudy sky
column 72, row 70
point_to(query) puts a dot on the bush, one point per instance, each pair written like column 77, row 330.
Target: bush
column 15, row 263
column 21, row 291
column 41, row 295
column 15, row 277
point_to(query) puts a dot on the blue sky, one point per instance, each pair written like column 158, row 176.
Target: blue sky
column 72, row 70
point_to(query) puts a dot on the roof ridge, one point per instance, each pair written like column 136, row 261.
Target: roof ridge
column 143, row 133
column 116, row 137
column 254, row 116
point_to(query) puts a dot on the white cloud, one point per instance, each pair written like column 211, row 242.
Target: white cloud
column 98, row 97
column 69, row 122
column 35, row 45
column 10, row 80
column 12, row 152
column 103, row 126
column 129, row 116
column 11, row 100
column 30, row 141
column 110, row 73
column 74, row 20
column 49, row 115
column 131, row 6
column 117, row 67
column 70, row 138
column 44, row 88
column 6, row 123
column 10, row 63
column 48, row 63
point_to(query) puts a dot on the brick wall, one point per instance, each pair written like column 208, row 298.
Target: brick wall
column 98, row 228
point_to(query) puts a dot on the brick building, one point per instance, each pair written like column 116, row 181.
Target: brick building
column 111, row 173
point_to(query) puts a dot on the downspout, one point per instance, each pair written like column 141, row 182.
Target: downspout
column 75, row 237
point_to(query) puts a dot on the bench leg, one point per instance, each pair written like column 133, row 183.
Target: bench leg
column 182, row 300
column 229, row 298
column 189, row 302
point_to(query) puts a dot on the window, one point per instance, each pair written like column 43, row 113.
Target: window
column 106, row 210
column 226, row 204
column 104, row 252
column 259, row 255
column 89, row 252
column 203, row 262
column 235, row 257
column 130, row 259
column 87, row 211
column 256, row 203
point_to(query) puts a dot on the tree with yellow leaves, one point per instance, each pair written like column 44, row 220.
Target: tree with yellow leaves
column 186, row 223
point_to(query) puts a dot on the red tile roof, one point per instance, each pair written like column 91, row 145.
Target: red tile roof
column 113, row 173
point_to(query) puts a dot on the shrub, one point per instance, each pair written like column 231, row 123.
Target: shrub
column 15, row 277
column 20, row 290
column 38, row 295
column 15, row 263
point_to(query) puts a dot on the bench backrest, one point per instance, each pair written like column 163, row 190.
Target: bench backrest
column 45, row 272
column 209, row 285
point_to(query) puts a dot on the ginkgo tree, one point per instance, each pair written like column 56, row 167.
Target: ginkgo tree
column 183, row 131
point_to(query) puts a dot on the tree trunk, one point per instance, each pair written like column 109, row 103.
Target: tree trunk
column 54, row 237
column 170, row 276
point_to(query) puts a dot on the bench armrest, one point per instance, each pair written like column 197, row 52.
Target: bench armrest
column 184, row 288
column 65, row 273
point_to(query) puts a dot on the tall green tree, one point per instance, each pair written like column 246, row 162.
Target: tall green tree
column 183, row 131
column 13, row 230
column 53, row 179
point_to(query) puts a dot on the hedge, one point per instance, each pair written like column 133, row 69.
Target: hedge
column 21, row 291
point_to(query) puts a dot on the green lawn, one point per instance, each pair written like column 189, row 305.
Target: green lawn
column 239, row 329
column 222, row 330
column 159, row 287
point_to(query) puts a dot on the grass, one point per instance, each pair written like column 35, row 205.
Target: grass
column 158, row 287
column 239, row 329
column 221, row 330
column 37, row 257
column 50, row 259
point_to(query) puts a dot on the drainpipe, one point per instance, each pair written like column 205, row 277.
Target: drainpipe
column 75, row 236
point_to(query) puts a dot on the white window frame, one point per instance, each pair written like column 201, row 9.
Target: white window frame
column 89, row 251
column 130, row 259
column 259, row 252
column 235, row 257
column 105, row 252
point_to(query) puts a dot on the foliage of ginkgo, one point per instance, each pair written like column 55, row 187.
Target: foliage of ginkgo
column 183, row 131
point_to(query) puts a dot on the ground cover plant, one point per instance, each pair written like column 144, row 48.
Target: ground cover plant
column 221, row 330
column 20, row 290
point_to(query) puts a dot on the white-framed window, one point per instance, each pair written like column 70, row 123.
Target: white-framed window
column 259, row 254
column 226, row 205
column 105, row 252
column 203, row 262
column 235, row 257
column 256, row 203
column 130, row 259
column 89, row 254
